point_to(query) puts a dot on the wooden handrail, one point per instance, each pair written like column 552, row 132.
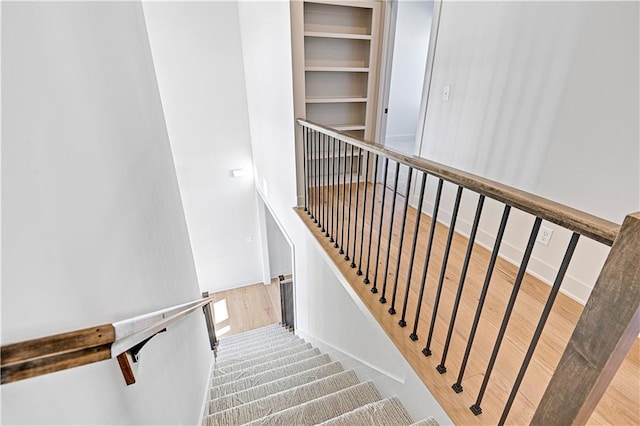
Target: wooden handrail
column 591, row 226
column 48, row 354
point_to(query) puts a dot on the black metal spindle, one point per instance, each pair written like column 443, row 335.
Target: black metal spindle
column 346, row 255
column 373, row 208
column 338, row 227
column 355, row 222
column 344, row 197
column 323, row 216
column 475, row 408
column 317, row 189
column 364, row 214
column 334, row 225
column 541, row 323
column 374, row 288
column 392, row 309
column 327, row 217
column 445, row 259
column 393, row 214
column 312, row 174
column 457, row 386
column 304, row 166
column 463, row 275
column 434, row 219
column 416, row 229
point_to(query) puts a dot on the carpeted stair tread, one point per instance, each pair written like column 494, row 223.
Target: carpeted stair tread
column 247, row 356
column 261, row 391
column 429, row 421
column 284, row 361
column 262, row 342
column 274, row 355
column 267, row 376
column 388, row 411
column 255, row 331
column 247, row 336
column 323, row 408
column 283, row 400
column 244, row 339
column 225, row 353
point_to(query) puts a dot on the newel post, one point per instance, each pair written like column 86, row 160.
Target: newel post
column 211, row 328
column 602, row 338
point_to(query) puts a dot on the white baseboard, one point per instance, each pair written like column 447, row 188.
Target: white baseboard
column 364, row 369
column 205, row 398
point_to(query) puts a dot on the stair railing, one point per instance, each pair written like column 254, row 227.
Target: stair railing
column 120, row 340
column 286, row 302
column 340, row 170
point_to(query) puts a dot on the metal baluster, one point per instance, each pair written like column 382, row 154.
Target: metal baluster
column 393, row 214
column 392, row 309
column 344, row 197
column 334, row 225
column 321, row 181
column 457, row 386
column 364, row 215
column 434, row 219
column 317, row 190
column 475, row 408
column 373, row 208
column 541, row 323
column 336, row 245
column 304, row 166
column 346, row 256
column 463, row 275
column 416, row 230
column 445, row 259
column 374, row 288
column 355, row 223
column 326, row 186
column 312, row 175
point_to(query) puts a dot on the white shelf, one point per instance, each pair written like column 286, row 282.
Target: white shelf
column 339, row 177
column 347, row 127
column 323, row 155
column 336, row 69
column 324, row 34
column 333, row 100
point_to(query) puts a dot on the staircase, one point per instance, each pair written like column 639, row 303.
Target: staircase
column 269, row 376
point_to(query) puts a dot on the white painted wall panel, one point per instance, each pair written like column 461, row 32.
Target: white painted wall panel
column 544, row 97
column 198, row 59
column 93, row 227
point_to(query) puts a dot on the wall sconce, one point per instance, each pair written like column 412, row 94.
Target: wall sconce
column 236, row 173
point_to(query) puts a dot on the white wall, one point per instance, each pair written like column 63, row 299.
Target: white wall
column 544, row 97
column 323, row 303
column 413, row 26
column 93, row 228
column 278, row 248
column 198, row 59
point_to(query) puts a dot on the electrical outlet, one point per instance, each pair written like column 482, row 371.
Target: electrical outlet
column 544, row 236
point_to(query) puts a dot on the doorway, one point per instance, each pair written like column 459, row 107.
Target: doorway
column 410, row 31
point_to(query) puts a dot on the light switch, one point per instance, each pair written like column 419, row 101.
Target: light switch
column 446, row 92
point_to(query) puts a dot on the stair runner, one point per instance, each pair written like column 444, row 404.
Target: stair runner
column 269, row 376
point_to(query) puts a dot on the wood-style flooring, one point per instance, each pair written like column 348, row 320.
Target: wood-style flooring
column 246, row 308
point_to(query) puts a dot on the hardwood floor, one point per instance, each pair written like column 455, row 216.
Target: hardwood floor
column 246, row 308
column 620, row 405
